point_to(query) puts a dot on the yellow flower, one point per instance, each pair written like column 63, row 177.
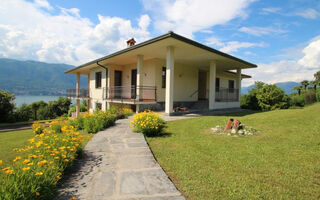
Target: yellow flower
column 41, row 163
column 29, row 164
column 25, row 168
column 9, row 171
column 73, row 198
column 56, row 158
column 26, row 161
column 0, row 162
column 39, row 173
column 31, row 140
column 37, row 194
column 5, row 169
column 17, row 158
column 66, row 160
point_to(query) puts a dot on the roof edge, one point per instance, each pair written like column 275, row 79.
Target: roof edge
column 161, row 37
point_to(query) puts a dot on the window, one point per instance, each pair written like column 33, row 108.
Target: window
column 98, row 106
column 98, row 79
column 163, row 77
column 231, row 86
column 217, row 84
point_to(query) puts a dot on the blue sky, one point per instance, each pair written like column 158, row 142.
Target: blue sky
column 282, row 37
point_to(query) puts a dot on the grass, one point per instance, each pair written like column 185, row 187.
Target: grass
column 18, row 139
column 23, row 123
column 282, row 162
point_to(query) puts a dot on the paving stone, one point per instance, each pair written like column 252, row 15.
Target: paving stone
column 140, row 162
column 132, row 183
column 164, row 198
column 139, row 144
column 158, row 182
column 104, row 185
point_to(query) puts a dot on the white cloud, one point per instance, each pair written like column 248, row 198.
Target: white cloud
column 308, row 13
column 33, row 32
column 231, row 46
column 188, row 16
column 259, row 31
column 289, row 70
column 311, row 58
column 271, row 10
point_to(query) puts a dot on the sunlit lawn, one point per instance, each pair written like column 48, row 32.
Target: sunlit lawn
column 282, row 162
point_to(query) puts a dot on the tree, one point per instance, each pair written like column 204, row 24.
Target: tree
column 250, row 101
column 305, row 83
column 315, row 83
column 271, row 97
column 298, row 89
column 6, row 106
column 35, row 106
column 23, row 113
column 317, row 76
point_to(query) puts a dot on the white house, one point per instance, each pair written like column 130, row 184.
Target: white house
column 162, row 73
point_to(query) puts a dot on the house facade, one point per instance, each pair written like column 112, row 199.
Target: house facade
column 163, row 73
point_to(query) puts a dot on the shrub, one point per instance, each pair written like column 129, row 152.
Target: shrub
column 297, row 101
column 83, row 108
column 310, row 97
column 23, row 113
column 35, row 173
column 271, row 97
column 92, row 124
column 148, row 122
column 38, row 128
column 318, row 95
column 6, row 106
column 127, row 112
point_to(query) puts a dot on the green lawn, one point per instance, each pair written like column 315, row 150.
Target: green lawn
column 282, row 162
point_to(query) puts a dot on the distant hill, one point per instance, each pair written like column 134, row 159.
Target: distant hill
column 36, row 78
column 286, row 86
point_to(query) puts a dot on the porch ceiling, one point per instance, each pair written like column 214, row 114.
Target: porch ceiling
column 185, row 52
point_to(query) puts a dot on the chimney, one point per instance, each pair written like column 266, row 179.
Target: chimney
column 131, row 42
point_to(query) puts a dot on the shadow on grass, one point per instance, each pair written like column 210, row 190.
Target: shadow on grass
column 159, row 135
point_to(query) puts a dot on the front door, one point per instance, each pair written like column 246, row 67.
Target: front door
column 117, row 84
column 202, row 85
column 133, row 84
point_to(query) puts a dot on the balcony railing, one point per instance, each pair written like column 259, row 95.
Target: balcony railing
column 227, row 94
column 72, row 93
column 130, row 93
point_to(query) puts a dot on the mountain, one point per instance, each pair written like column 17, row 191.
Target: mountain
column 36, row 78
column 286, row 86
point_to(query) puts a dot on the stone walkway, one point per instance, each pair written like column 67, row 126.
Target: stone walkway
column 118, row 164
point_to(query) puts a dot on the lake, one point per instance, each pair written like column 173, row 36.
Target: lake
column 30, row 99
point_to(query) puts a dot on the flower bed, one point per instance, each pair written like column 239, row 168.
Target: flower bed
column 49, row 153
column 149, row 123
column 35, row 174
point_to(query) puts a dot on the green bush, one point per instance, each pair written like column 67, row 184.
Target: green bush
column 149, row 123
column 83, row 108
column 23, row 113
column 318, row 95
column 6, row 106
column 92, row 124
column 297, row 101
column 310, row 97
column 56, row 128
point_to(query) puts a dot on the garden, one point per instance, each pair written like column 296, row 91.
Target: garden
column 32, row 169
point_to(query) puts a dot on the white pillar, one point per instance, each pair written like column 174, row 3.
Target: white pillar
column 239, row 82
column 139, row 77
column 169, row 80
column 212, row 84
column 78, row 96
column 89, row 101
column 108, row 79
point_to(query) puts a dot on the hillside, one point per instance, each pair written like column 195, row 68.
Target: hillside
column 36, row 78
column 286, row 86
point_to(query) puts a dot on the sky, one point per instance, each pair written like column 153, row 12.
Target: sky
column 281, row 37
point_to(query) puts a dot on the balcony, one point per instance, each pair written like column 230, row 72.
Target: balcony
column 227, row 95
column 129, row 94
column 82, row 93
